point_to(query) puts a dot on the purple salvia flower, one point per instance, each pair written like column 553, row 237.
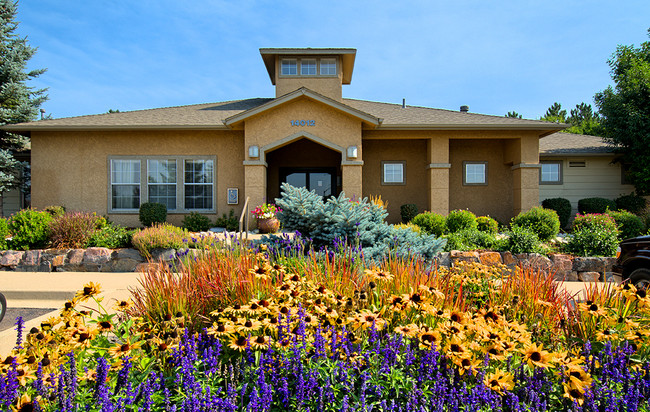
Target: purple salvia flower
column 20, row 326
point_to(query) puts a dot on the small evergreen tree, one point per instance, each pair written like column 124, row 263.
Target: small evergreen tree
column 18, row 102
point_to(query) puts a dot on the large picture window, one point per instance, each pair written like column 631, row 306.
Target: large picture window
column 125, row 184
column 161, row 181
column 198, row 184
column 182, row 183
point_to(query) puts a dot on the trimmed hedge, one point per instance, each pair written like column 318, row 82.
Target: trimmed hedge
column 628, row 224
column 562, row 207
column 458, row 220
column 408, row 212
column 431, row 223
column 544, row 222
column 152, row 213
column 632, row 203
column 592, row 205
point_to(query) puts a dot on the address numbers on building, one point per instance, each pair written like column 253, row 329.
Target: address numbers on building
column 303, row 123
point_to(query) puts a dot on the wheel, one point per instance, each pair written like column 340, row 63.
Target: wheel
column 3, row 306
column 640, row 278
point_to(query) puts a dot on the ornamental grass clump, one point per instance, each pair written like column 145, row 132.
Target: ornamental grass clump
column 160, row 236
column 73, row 230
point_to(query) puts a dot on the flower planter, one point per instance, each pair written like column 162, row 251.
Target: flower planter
column 270, row 225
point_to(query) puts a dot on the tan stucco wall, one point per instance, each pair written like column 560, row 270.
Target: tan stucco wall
column 70, row 168
column 414, row 152
column 331, row 124
column 495, row 199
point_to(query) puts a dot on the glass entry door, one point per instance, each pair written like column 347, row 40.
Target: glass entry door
column 320, row 180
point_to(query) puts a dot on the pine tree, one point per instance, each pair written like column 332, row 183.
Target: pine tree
column 18, row 102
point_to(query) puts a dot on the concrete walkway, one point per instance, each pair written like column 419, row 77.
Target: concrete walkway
column 50, row 290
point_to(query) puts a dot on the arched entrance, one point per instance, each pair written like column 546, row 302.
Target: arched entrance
column 304, row 163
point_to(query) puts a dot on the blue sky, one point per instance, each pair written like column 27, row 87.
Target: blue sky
column 495, row 56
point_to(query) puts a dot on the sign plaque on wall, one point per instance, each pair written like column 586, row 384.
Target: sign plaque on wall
column 233, row 196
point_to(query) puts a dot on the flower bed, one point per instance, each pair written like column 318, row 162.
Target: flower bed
column 239, row 330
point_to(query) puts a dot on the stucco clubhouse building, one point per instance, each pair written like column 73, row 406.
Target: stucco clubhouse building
column 209, row 157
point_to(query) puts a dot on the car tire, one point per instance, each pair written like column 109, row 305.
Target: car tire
column 3, row 306
column 640, row 278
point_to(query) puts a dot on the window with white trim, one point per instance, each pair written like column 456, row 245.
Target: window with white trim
column 308, row 67
column 198, row 184
column 475, row 173
column 328, row 67
column 182, row 183
column 289, row 67
column 550, row 173
column 125, row 184
column 393, row 173
column 161, row 182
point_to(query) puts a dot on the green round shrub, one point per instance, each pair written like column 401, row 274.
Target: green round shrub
column 151, row 213
column 592, row 205
column 111, row 236
column 628, row 224
column 458, row 220
column 196, row 222
column 470, row 239
column 632, row 203
column 544, row 222
column 522, row 239
column 4, row 233
column 29, row 229
column 593, row 235
column 431, row 223
column 562, row 207
column 55, row 211
column 408, row 212
column 487, row 224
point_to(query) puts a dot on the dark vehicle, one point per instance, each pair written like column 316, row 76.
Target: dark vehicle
column 3, row 306
column 633, row 261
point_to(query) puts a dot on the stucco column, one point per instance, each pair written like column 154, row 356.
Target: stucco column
column 352, row 179
column 525, row 187
column 254, row 185
column 438, row 174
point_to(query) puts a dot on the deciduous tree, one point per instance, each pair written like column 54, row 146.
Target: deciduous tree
column 625, row 111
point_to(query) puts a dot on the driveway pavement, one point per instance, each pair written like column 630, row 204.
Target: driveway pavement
column 34, row 295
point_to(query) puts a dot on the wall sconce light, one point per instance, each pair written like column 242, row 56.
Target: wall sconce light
column 352, row 152
column 253, row 151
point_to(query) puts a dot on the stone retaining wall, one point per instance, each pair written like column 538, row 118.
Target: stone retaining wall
column 565, row 267
column 99, row 259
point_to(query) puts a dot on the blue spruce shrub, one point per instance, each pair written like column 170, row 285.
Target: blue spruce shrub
column 327, row 223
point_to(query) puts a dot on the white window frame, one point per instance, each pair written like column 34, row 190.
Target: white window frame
column 467, row 165
column 311, row 65
column 151, row 185
column 112, row 182
column 290, row 63
column 393, row 172
column 180, row 182
column 211, row 183
column 542, row 180
column 325, row 65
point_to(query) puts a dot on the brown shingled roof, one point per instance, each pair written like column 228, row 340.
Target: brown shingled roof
column 213, row 115
column 573, row 144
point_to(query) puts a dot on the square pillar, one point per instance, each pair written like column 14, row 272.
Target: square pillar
column 525, row 187
column 352, row 178
column 254, row 186
column 438, row 175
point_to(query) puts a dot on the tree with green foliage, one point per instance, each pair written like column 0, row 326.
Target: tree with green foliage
column 555, row 114
column 514, row 115
column 18, row 102
column 625, row 111
column 583, row 119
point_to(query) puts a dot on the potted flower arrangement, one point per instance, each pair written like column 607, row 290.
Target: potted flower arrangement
column 266, row 214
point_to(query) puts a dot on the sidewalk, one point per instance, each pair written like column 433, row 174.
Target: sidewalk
column 52, row 289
